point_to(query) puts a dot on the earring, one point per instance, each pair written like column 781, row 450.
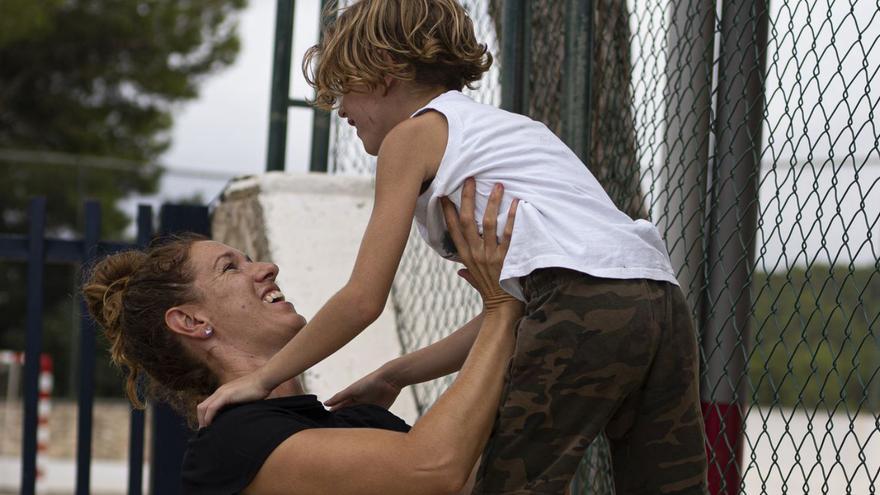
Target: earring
column 209, row 331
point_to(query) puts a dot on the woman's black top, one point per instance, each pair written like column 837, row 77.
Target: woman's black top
column 224, row 457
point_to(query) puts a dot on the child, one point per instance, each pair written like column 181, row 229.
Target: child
column 606, row 343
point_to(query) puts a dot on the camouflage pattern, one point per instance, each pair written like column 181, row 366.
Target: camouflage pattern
column 594, row 355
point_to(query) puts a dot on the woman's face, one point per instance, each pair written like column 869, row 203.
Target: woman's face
column 240, row 299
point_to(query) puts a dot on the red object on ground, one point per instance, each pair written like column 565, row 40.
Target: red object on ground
column 724, row 428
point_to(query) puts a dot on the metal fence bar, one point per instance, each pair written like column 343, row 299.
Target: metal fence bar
column 33, row 343
column 86, row 398
column 170, row 432
column 732, row 231
column 687, row 97
column 515, row 56
column 320, row 119
column 278, row 106
column 61, row 251
column 577, row 77
column 137, row 419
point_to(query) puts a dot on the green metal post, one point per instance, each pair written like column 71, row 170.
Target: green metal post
column 320, row 120
column 278, row 106
column 577, row 77
column 515, row 52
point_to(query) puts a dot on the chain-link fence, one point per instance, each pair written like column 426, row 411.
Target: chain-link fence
column 745, row 131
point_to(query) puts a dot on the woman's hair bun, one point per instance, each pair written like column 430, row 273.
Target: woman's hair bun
column 105, row 290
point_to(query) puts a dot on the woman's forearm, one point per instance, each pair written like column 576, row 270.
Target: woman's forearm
column 457, row 426
column 438, row 359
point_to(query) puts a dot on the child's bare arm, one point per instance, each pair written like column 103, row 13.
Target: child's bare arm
column 404, row 161
column 381, row 387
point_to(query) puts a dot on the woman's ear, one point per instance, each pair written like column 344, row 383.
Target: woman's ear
column 183, row 320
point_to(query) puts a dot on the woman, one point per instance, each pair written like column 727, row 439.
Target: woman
column 194, row 314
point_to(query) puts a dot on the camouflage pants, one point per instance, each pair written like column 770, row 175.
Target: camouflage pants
column 594, row 355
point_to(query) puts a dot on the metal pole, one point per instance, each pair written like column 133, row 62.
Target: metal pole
column 731, row 229
column 33, row 343
column 278, row 107
column 576, row 79
column 690, row 42
column 137, row 421
column 515, row 56
column 320, row 119
column 86, row 358
column 170, row 432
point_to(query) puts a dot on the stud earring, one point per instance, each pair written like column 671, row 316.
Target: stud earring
column 209, row 331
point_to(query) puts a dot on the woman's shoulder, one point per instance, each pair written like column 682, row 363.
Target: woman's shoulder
column 225, row 456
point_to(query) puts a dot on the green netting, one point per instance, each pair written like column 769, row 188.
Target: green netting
column 745, row 131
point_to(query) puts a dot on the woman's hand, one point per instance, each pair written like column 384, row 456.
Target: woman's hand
column 483, row 256
column 375, row 388
column 247, row 388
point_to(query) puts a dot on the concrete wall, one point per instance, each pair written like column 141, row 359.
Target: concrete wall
column 311, row 225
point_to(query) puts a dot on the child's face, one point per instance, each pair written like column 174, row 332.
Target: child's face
column 370, row 112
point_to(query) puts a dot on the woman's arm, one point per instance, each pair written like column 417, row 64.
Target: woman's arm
column 382, row 386
column 404, row 159
column 438, row 454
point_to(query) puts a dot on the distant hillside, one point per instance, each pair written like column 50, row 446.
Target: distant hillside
column 816, row 339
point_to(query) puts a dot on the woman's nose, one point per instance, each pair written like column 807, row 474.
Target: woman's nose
column 267, row 271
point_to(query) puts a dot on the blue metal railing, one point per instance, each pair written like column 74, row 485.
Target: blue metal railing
column 170, row 434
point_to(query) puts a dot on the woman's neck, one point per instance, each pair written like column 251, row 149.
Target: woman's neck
column 240, row 366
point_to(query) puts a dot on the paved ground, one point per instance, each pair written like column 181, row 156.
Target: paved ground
column 109, row 475
column 786, row 452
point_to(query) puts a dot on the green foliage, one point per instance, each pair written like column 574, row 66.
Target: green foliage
column 815, row 342
column 100, row 78
column 92, row 78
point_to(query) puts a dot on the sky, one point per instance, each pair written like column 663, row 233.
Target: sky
column 223, row 133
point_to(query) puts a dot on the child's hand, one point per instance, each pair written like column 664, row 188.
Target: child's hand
column 247, row 388
column 374, row 388
column 483, row 256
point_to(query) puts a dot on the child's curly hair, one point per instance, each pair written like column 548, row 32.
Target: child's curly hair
column 430, row 42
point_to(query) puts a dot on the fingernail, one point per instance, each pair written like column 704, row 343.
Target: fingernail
column 498, row 187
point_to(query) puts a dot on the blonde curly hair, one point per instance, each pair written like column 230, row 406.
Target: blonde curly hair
column 430, row 42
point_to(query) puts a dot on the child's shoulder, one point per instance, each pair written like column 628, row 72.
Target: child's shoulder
column 424, row 134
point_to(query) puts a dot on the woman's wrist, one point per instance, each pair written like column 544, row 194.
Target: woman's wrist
column 393, row 372
column 264, row 380
column 508, row 311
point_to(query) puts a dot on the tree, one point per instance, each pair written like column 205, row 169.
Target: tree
column 94, row 78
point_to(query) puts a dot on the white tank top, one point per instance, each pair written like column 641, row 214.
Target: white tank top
column 564, row 219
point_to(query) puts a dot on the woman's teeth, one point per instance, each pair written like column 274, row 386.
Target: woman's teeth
column 273, row 296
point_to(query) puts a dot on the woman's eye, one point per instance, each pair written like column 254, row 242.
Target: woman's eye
column 229, row 266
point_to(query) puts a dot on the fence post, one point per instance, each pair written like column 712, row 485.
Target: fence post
column 86, row 358
column 279, row 105
column 320, row 118
column 732, row 224
column 136, row 424
column 515, row 53
column 577, row 78
column 33, row 342
column 690, row 43
column 170, row 432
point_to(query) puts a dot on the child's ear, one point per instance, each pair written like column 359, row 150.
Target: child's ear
column 388, row 80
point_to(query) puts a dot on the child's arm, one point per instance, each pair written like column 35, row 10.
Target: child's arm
column 405, row 158
column 381, row 387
